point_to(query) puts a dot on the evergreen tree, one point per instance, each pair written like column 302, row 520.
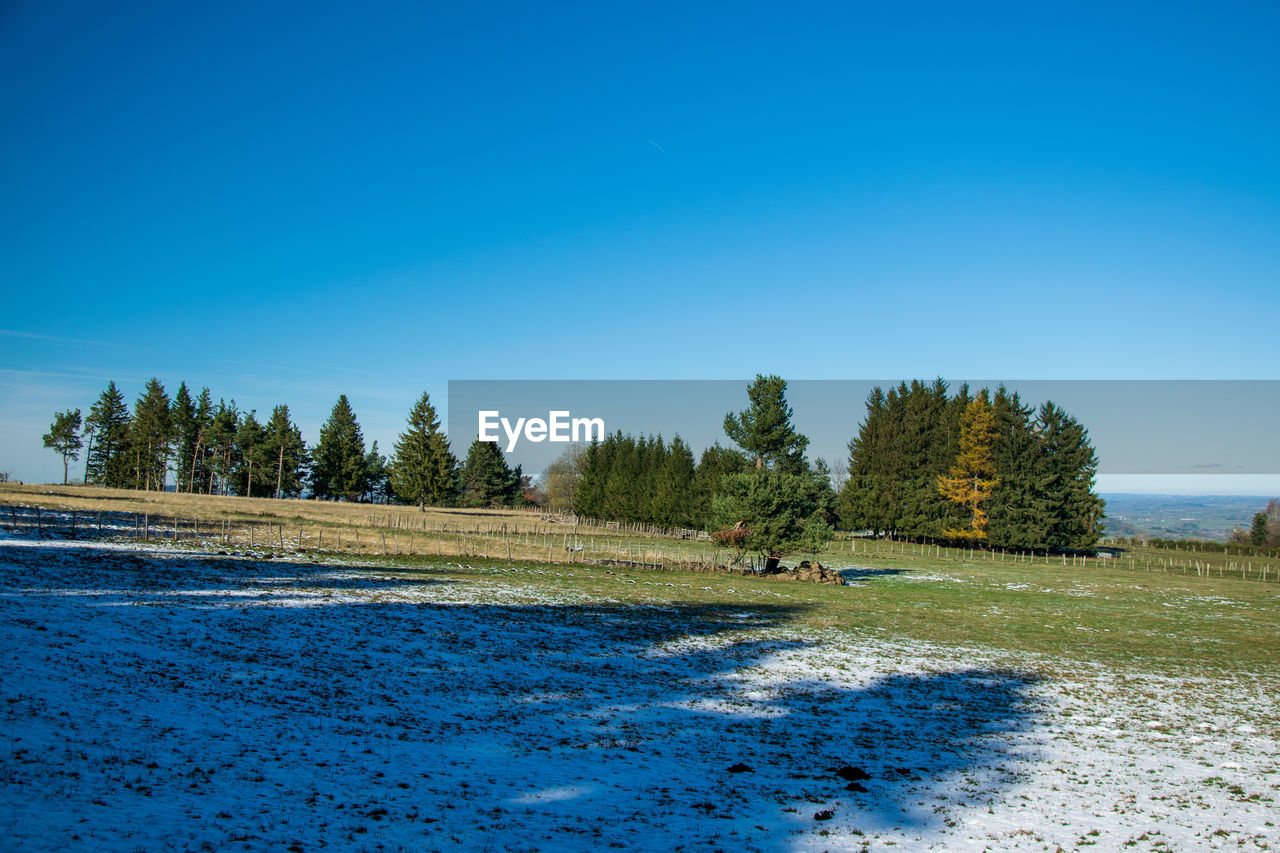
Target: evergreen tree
column 251, row 459
column 776, row 512
column 1070, row 466
column 422, row 467
column 106, row 464
column 593, row 484
column 286, row 452
column 972, row 477
column 1019, row 513
column 1259, row 531
column 714, row 465
column 377, row 485
column 221, row 443
column 485, row 480
column 64, row 437
column 764, row 431
column 195, row 443
column 151, row 435
column 339, row 469
column 1044, row 467
column 184, row 430
column 672, row 502
column 622, row 484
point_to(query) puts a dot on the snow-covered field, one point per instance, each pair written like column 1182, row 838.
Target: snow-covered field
column 174, row 700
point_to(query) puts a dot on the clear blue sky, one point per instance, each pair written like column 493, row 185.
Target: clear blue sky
column 288, row 201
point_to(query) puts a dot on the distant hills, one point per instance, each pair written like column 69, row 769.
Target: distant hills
column 1180, row 516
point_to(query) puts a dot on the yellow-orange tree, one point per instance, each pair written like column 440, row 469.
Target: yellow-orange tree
column 972, row 477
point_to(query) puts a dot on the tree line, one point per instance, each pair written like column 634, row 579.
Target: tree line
column 924, row 460
column 925, row 463
column 202, row 447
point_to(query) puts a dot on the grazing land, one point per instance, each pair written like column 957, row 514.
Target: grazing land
column 169, row 696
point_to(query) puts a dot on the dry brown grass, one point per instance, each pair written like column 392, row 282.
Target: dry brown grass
column 360, row 528
column 221, row 507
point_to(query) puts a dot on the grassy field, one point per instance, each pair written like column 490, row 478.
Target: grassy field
column 1150, row 608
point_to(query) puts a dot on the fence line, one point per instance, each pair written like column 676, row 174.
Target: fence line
column 585, row 542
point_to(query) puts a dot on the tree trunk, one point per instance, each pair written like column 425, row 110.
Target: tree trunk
column 64, row 469
column 279, row 471
column 191, row 481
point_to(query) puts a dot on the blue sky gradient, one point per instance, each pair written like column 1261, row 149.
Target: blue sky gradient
column 288, row 201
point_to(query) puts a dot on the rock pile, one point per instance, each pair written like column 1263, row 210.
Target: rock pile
column 808, row 572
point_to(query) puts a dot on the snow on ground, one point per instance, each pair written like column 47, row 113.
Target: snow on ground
column 159, row 699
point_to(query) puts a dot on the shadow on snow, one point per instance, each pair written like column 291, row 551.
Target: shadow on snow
column 527, row 726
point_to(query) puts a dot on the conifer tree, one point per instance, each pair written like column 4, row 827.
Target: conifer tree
column 109, row 420
column 672, row 502
column 778, row 513
column 764, row 431
column 422, row 466
column 714, row 465
column 221, row 443
column 376, row 477
column 186, row 429
column 1259, row 530
column 338, row 463
column 151, row 435
column 1070, row 466
column 1019, row 516
column 64, row 437
column 195, row 443
column 286, row 452
column 622, row 484
column 972, row 477
column 251, row 458
column 485, row 480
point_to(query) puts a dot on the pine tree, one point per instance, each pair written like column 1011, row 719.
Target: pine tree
column 485, row 480
column 1260, row 530
column 764, row 431
column 183, row 413
column 1019, row 513
column 152, row 436
column 377, row 485
column 590, row 497
column 1070, row 466
column 338, row 461
column 621, row 498
column 777, row 513
column 422, row 466
column 251, row 459
column 972, row 477
column 195, row 444
column 109, row 420
column 286, row 452
column 64, row 437
column 714, row 465
column 859, row 499
column 221, row 442
column 672, row 502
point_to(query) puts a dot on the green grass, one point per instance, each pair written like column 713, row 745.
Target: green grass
column 1108, row 616
column 1175, row 616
